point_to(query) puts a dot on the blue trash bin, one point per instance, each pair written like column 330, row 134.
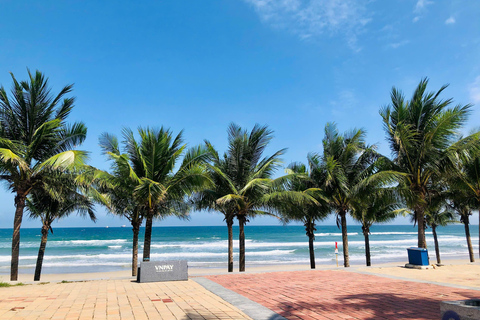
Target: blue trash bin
column 418, row 256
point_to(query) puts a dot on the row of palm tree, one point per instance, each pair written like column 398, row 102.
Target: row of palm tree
column 144, row 182
column 433, row 172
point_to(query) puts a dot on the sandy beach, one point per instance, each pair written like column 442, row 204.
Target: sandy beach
column 457, row 272
column 126, row 274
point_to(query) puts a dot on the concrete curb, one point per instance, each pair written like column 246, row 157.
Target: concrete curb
column 250, row 308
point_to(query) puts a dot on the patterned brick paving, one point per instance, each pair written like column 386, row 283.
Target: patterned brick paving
column 115, row 300
column 342, row 295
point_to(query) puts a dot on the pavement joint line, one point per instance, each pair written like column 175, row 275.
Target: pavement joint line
column 252, row 309
column 450, row 285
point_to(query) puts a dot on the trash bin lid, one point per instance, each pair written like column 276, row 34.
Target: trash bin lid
column 416, row 249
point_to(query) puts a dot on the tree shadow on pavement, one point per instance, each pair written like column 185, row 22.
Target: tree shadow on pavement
column 370, row 306
column 203, row 316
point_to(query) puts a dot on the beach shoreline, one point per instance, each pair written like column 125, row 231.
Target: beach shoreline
column 386, row 269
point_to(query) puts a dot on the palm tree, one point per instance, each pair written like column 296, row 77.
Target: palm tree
column 206, row 199
column 347, row 161
column 438, row 216
column 302, row 201
column 34, row 140
column 459, row 203
column 117, row 190
column 421, row 133
column 55, row 201
column 376, row 205
column 161, row 190
column 466, row 178
column 248, row 176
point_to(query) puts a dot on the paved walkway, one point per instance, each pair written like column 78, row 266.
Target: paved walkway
column 312, row 294
column 115, row 299
column 342, row 295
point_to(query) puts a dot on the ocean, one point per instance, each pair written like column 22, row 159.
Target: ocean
column 77, row 250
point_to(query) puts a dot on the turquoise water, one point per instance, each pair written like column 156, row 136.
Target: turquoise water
column 109, row 249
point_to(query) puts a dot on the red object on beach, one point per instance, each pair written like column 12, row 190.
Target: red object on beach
column 336, row 248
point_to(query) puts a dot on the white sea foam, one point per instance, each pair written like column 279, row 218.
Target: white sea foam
column 76, row 243
column 269, row 253
column 218, row 254
column 334, row 234
column 398, row 233
column 7, row 258
column 114, row 247
column 224, row 245
column 93, row 242
column 105, row 259
column 277, row 244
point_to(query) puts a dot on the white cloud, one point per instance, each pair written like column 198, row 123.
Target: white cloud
column 312, row 18
column 420, row 8
column 399, row 44
column 474, row 90
column 450, row 20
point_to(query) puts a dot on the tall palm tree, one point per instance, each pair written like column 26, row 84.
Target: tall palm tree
column 376, row 205
column 117, row 190
column 347, row 161
column 438, row 216
column 421, row 133
column 466, row 177
column 34, row 140
column 302, row 201
column 459, row 203
column 248, row 176
column 160, row 188
column 206, row 199
column 56, row 200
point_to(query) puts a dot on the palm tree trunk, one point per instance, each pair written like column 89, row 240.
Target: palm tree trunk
column 41, row 252
column 366, row 232
column 312, row 251
column 148, row 238
column 17, row 222
column 435, row 239
column 346, row 261
column 136, row 230
column 421, row 228
column 469, row 240
column 241, row 238
column 310, row 228
column 230, row 244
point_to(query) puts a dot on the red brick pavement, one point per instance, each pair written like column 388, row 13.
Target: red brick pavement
column 342, row 295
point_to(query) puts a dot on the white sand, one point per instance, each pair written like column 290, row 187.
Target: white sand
column 458, row 272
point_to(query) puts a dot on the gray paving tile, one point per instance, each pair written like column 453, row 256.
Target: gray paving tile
column 252, row 309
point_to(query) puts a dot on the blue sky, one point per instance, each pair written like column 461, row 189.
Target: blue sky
column 199, row 65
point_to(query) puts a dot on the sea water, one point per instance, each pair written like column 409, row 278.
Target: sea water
column 72, row 250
